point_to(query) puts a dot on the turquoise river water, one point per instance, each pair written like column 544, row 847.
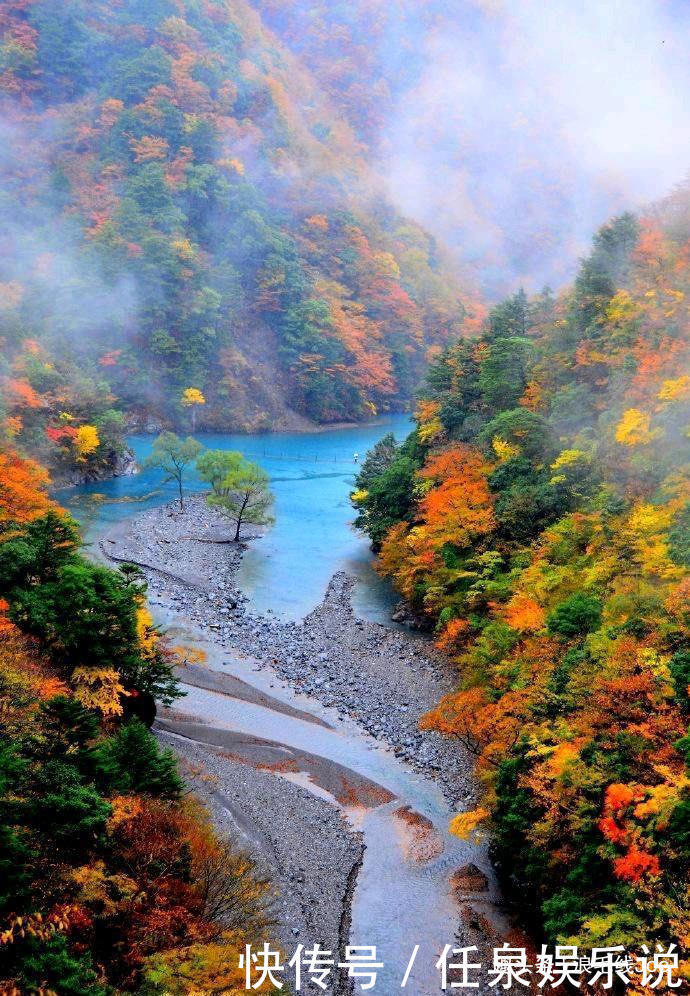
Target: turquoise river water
column 312, row 475
column 401, row 904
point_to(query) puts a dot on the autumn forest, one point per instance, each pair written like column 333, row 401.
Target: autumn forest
column 200, row 234
column 537, row 519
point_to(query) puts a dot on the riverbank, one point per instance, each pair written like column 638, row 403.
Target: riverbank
column 385, row 679
column 188, row 557
column 118, row 463
column 349, row 825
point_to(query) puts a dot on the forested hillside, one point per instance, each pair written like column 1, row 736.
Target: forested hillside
column 111, row 877
column 184, row 207
column 365, row 54
column 538, row 519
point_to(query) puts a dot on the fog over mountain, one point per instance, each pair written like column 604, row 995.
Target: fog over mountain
column 531, row 123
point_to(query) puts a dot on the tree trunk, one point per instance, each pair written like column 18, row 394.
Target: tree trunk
column 179, row 485
column 239, row 518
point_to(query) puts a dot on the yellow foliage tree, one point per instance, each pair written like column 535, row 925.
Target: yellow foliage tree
column 192, row 398
column 621, row 309
column 427, row 416
column 675, row 390
column 146, row 632
column 647, row 527
column 466, row 825
column 99, row 688
column 201, row 968
column 504, row 450
column 633, row 429
column 86, row 442
column 566, row 458
column 186, row 252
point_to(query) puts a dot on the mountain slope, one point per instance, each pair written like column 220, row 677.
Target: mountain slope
column 539, row 520
column 184, row 207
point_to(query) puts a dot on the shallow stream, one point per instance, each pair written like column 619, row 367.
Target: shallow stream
column 404, row 895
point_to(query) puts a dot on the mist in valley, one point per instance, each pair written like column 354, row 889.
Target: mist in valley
column 530, row 124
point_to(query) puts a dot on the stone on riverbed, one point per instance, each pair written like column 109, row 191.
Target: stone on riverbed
column 469, row 878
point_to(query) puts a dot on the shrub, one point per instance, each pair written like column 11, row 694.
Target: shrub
column 576, row 616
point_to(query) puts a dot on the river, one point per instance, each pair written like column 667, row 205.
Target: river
column 312, row 475
column 402, row 898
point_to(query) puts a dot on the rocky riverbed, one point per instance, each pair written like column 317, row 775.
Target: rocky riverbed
column 383, row 678
column 296, row 809
column 301, row 843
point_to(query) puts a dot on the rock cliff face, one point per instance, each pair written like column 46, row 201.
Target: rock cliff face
column 119, row 464
column 125, row 464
